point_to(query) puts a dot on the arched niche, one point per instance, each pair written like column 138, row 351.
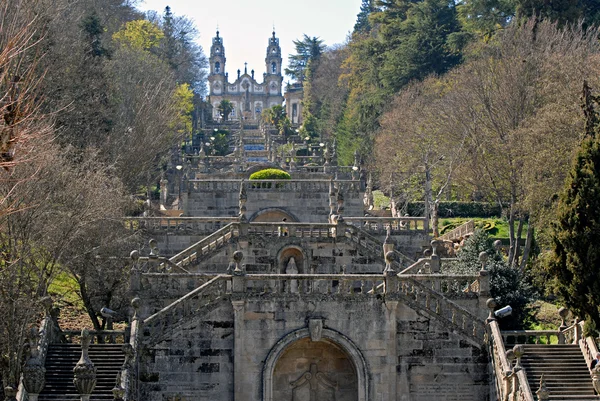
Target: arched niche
column 296, row 252
column 272, row 215
column 334, row 356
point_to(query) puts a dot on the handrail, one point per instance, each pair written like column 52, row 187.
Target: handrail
column 183, row 299
column 214, row 237
column 359, row 233
column 509, row 379
column 460, row 231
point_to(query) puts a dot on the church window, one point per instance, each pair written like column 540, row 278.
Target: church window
column 274, row 68
column 217, row 67
column 273, row 50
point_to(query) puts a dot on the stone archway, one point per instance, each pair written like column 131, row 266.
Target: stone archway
column 300, row 369
column 272, row 215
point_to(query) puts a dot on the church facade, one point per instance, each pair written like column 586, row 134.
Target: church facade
column 248, row 96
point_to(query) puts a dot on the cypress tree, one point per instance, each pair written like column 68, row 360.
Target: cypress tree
column 576, row 235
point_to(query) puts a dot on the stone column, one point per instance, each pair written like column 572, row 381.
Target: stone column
column 392, row 352
column 240, row 391
column 84, row 373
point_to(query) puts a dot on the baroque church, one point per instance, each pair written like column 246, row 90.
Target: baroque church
column 248, row 95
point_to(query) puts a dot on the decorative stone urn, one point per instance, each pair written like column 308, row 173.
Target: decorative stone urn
column 85, row 372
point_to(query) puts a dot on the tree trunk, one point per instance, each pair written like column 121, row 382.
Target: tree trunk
column 518, row 244
column 434, row 218
column 527, row 249
column 427, row 198
column 511, row 233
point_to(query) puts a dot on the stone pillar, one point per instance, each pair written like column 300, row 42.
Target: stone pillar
column 392, row 353
column 84, row 373
column 240, row 391
column 164, row 191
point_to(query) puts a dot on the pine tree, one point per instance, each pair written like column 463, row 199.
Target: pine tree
column 576, row 235
column 362, row 19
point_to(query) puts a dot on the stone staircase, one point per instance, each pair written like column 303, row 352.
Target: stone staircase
column 62, row 358
column 564, row 368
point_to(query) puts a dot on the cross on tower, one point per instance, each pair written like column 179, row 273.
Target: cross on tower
column 245, row 68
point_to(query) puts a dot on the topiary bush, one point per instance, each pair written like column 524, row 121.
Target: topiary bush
column 270, row 174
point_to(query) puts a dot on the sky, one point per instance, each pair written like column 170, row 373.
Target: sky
column 247, row 25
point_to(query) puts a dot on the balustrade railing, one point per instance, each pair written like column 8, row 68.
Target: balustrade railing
column 379, row 225
column 324, row 284
column 206, row 245
column 460, row 232
column 98, row 336
column 297, row 230
column 374, row 246
column 196, row 225
column 510, row 380
column 531, row 336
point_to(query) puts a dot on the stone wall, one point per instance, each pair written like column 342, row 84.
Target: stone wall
column 243, row 350
column 306, row 201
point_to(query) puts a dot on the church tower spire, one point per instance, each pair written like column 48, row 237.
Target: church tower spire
column 273, row 61
column 217, row 56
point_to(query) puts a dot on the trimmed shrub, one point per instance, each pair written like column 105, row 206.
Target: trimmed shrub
column 270, row 174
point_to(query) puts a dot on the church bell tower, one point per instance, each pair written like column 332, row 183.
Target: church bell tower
column 217, row 60
column 273, row 77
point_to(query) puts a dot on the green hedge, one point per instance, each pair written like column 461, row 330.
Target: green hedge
column 270, row 174
column 458, row 209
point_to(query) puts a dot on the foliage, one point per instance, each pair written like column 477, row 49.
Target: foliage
column 362, row 19
column 270, row 174
column 507, row 284
column 308, row 52
column 139, row 34
column 221, row 143
column 225, row 108
column 277, row 117
column 183, row 98
column 576, row 233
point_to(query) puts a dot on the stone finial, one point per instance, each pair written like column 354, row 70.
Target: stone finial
column 135, row 304
column 596, row 378
column 153, row 249
column 563, row 313
column 497, row 245
column 238, row 256
column 47, row 303
column 518, row 351
column 84, row 373
column 34, row 373
column 491, row 304
column 542, row 393
column 390, row 257
column 483, row 258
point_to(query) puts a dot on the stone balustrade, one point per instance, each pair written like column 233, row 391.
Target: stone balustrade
column 298, row 230
column 206, row 245
column 178, row 225
column 278, row 185
column 511, row 382
column 531, row 336
column 459, row 232
column 305, row 284
column 379, row 225
column 449, row 285
column 97, row 336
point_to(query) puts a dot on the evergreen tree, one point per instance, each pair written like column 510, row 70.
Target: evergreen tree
column 308, row 51
column 507, row 284
column 362, row 19
column 576, row 235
